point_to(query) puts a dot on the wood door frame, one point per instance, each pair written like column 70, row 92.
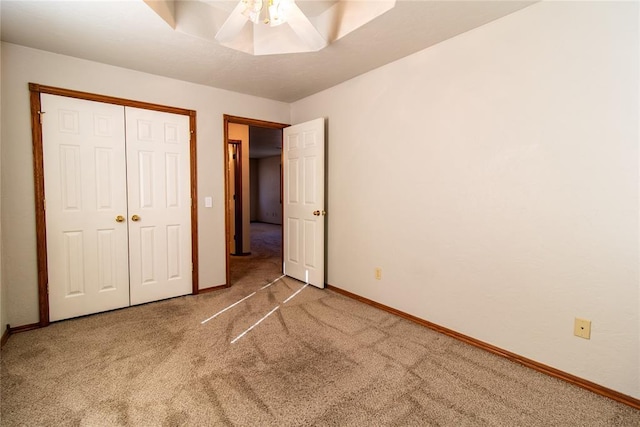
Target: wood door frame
column 241, row 121
column 38, row 173
column 237, row 211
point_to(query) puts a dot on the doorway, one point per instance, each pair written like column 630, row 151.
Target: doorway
column 253, row 217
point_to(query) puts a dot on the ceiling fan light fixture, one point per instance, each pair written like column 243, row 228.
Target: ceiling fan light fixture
column 271, row 12
column 278, row 11
column 301, row 33
column 253, row 10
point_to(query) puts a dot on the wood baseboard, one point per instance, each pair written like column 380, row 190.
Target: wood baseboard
column 548, row 370
column 5, row 337
column 10, row 331
column 24, row 328
column 212, row 289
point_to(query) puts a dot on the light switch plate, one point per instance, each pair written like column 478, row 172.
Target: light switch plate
column 208, row 202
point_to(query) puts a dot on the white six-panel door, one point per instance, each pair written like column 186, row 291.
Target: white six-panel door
column 159, row 204
column 117, row 205
column 85, row 191
column 304, row 215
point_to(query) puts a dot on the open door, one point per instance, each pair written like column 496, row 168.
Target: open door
column 304, row 214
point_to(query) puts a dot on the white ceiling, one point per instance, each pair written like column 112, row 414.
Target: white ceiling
column 129, row 34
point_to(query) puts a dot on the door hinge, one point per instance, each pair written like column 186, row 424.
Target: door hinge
column 44, row 204
column 40, row 113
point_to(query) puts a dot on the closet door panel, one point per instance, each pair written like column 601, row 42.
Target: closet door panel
column 158, row 167
column 85, row 191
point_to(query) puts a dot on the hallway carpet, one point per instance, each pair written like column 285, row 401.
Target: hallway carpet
column 320, row 359
column 265, row 258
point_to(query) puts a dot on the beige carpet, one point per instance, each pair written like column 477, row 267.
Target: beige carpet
column 319, row 359
column 265, row 259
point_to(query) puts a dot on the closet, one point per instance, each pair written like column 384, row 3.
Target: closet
column 117, row 205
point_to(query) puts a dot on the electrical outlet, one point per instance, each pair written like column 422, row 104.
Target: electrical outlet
column 378, row 273
column 582, row 328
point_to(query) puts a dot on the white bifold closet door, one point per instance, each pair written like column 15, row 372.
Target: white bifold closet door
column 159, row 188
column 85, row 189
column 103, row 164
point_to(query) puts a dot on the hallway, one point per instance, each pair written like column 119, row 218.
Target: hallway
column 265, row 261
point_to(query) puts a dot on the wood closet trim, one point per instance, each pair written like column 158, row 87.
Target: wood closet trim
column 38, row 174
column 34, row 87
column 241, row 121
column 41, row 232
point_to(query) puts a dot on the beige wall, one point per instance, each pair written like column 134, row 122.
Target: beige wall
column 21, row 65
column 241, row 133
column 4, row 318
column 269, row 206
column 494, row 179
column 253, row 176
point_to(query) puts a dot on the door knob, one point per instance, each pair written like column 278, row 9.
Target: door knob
column 318, row 213
column 135, row 218
column 119, row 218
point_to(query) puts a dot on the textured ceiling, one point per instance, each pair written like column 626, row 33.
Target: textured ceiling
column 129, row 34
